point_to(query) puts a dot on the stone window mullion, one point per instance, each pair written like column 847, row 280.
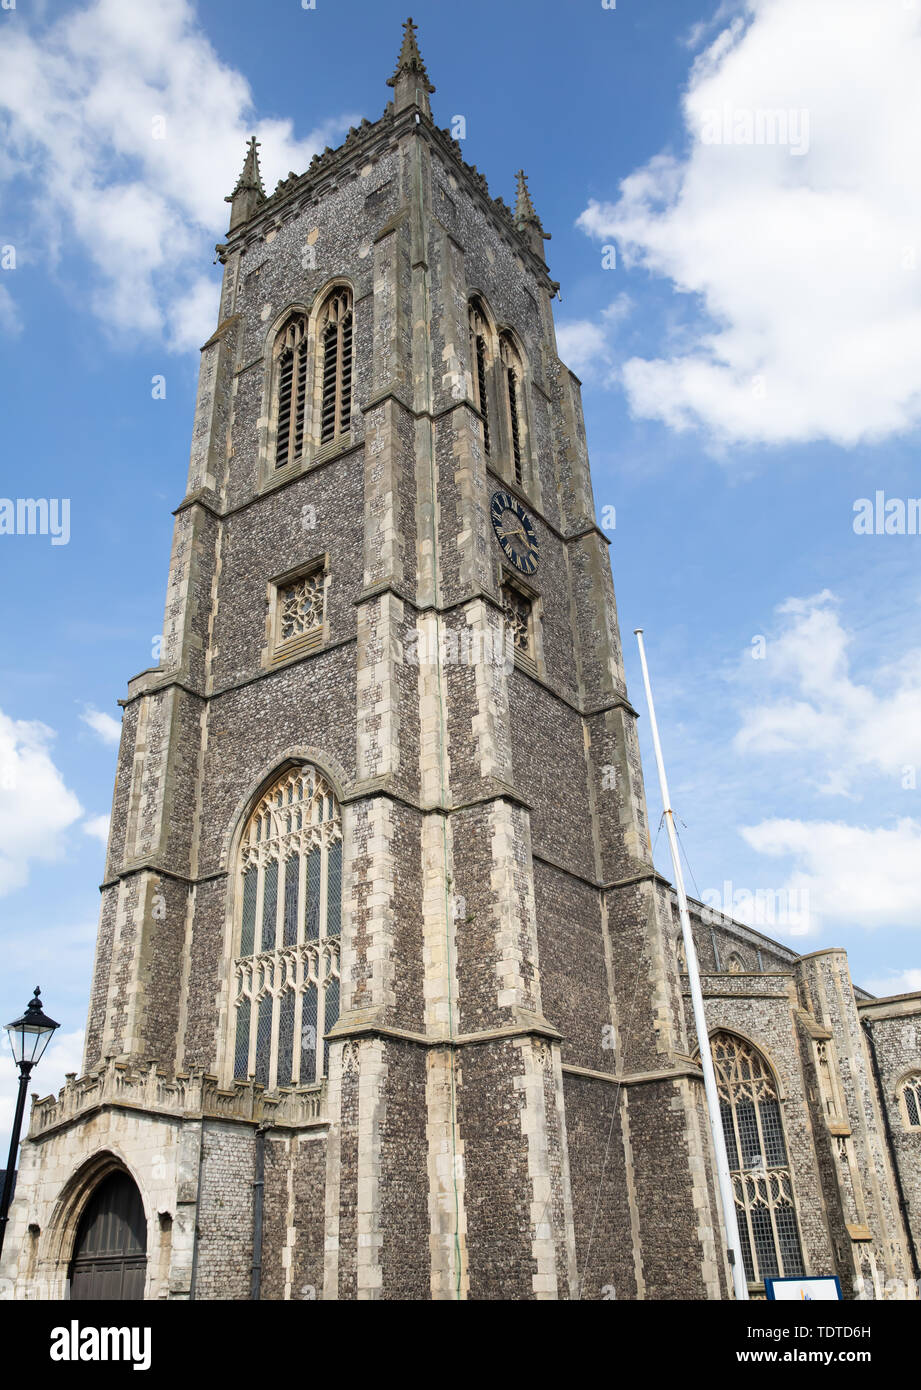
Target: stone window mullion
column 273, row 1046
column 280, row 903
column 260, row 903
column 253, row 1032
column 298, row 1019
column 302, row 897
column 324, row 885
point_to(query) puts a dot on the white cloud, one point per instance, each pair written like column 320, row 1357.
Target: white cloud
column 902, row 982
column 585, row 345
column 65, row 1053
column 812, row 709
column 582, row 344
column 806, row 268
column 852, row 876
column 36, row 808
column 108, row 729
column 81, row 102
column 98, row 827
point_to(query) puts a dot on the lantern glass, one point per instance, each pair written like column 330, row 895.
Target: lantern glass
column 31, row 1034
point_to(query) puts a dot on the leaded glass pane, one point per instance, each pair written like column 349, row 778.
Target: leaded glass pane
column 765, row 1252
column 334, row 889
column 331, row 1014
column 285, row 1037
column 309, row 1036
column 788, row 1235
column 745, row 1244
column 312, row 920
column 775, row 1155
column 241, row 1050
column 292, row 867
column 248, row 932
column 729, row 1134
column 913, row 1103
column 749, row 1142
column 264, row 1040
column 269, row 905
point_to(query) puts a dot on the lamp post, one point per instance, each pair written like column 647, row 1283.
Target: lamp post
column 29, row 1036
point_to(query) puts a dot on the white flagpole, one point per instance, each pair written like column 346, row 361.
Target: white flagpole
column 727, row 1197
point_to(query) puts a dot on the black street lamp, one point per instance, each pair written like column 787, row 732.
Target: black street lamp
column 29, row 1036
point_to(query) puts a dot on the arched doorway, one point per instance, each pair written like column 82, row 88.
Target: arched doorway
column 110, row 1252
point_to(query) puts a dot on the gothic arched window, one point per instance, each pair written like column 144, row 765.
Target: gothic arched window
column 761, row 1176
column 289, row 908
column 479, row 357
column 291, row 390
column 910, row 1097
column 335, row 363
column 511, row 384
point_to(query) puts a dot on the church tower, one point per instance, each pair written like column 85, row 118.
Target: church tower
column 386, row 1000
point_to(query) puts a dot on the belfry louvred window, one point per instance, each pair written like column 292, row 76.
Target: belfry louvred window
column 336, row 365
column 512, row 375
column 291, row 398
column 761, row 1178
column 479, row 356
column 286, row 966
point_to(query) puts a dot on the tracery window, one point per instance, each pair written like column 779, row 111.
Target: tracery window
column 291, row 390
column 512, row 378
column 910, row 1096
column 479, row 356
column 761, row 1177
column 335, row 337
column 518, row 611
column 289, row 908
column 300, row 613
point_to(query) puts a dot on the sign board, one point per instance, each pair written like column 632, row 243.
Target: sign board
column 821, row 1288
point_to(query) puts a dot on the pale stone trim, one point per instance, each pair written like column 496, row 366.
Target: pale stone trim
column 372, row 1081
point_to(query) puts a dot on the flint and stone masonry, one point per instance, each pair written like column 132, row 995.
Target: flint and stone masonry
column 509, row 1104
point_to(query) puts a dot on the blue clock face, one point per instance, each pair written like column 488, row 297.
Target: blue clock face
column 514, row 531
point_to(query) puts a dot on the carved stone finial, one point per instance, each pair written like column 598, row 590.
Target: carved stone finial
column 526, row 218
column 249, row 191
column 410, row 81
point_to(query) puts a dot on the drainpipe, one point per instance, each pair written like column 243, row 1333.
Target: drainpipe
column 201, row 1159
column 900, row 1191
column 258, row 1205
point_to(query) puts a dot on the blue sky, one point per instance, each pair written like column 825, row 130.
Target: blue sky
column 751, row 367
